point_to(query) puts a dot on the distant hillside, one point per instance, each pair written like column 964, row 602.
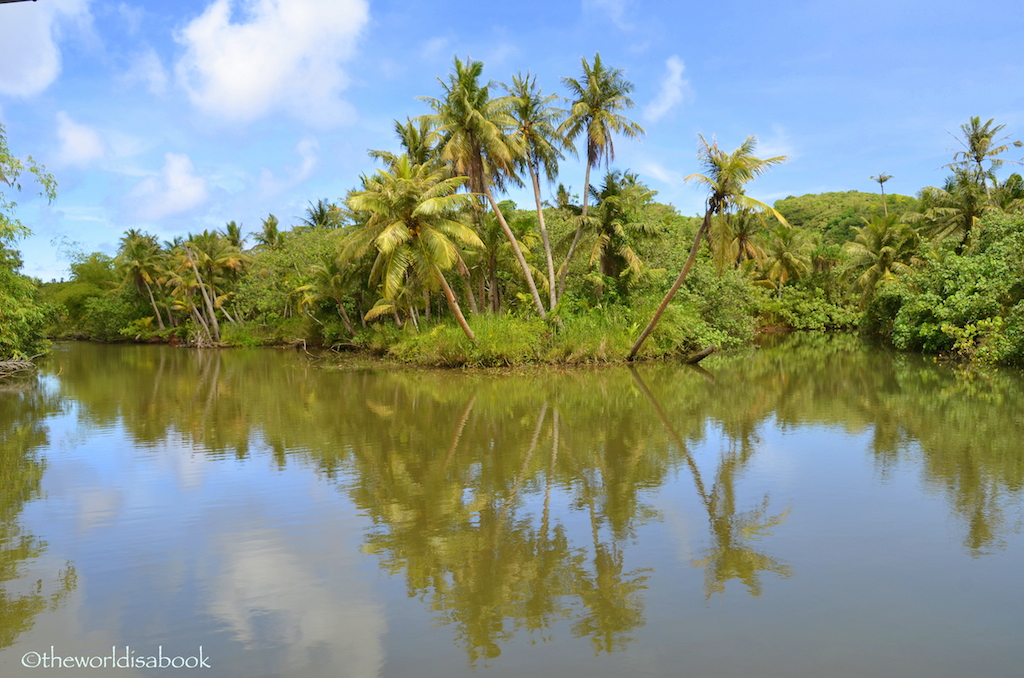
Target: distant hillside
column 836, row 214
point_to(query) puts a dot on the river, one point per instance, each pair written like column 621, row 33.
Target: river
column 814, row 507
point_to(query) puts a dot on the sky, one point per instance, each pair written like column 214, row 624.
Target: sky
column 175, row 117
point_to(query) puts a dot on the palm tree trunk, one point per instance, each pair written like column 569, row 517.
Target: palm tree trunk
column 518, row 252
column 159, row 318
column 345, row 319
column 453, row 304
column 675, row 287
column 464, row 272
column 576, row 238
column 552, row 290
column 214, row 325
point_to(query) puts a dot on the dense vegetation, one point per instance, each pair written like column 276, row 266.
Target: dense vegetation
column 424, row 262
column 22, row 317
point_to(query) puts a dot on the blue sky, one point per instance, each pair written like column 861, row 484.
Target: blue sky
column 172, row 117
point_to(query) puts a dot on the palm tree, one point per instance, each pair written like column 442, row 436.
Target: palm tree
column 725, row 176
column 543, row 147
column 416, row 141
column 598, row 97
column 882, row 250
column 142, row 260
column 233, row 232
column 881, row 179
column 954, row 210
column 787, row 256
column 473, row 134
column 411, row 220
column 322, row 214
column 980, row 144
column 736, row 238
column 270, row 237
column 618, row 200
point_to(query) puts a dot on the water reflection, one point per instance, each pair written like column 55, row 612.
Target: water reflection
column 517, row 507
column 24, row 406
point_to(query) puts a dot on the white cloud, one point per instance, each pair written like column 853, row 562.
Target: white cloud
column 777, row 144
column 661, row 173
column 148, row 70
column 280, row 55
column 79, row 144
column 271, row 185
column 176, row 189
column 29, row 53
column 434, row 48
column 615, row 9
column 674, row 90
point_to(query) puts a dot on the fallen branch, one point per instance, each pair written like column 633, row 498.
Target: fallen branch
column 8, row 368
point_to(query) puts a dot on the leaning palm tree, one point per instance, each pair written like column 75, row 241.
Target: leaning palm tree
column 598, row 99
column 409, row 216
column 543, row 146
column 472, row 130
column 725, row 175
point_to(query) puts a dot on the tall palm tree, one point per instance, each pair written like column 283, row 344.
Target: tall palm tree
column 411, row 220
column 473, row 135
column 980, row 144
column 725, row 176
column 598, row 99
column 881, row 179
column 543, row 146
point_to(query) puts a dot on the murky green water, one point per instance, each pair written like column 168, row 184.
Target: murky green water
column 816, row 508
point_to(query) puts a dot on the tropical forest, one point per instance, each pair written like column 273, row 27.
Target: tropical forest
column 426, row 261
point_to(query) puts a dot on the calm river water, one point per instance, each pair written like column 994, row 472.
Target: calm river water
column 812, row 508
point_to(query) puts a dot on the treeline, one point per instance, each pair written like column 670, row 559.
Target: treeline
column 424, row 261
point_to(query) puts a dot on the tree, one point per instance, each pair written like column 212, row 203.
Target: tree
column 21, row 316
column 270, row 238
column 599, row 97
column 543, row 147
column 416, row 141
column 411, row 221
column 618, row 202
column 142, row 261
column 786, row 256
column 473, row 135
column 736, row 238
column 954, row 211
column 881, row 179
column 322, row 214
column 882, row 250
column 980, row 144
column 725, row 175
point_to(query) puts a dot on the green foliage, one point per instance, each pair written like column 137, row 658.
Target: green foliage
column 806, row 308
column 836, row 215
column 966, row 306
column 22, row 317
